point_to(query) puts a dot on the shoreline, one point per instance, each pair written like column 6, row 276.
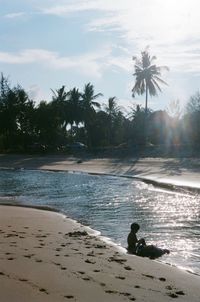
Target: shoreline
column 139, row 267
column 97, row 233
column 172, row 174
column 46, row 256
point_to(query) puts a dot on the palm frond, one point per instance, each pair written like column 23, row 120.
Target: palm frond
column 147, row 75
column 160, row 80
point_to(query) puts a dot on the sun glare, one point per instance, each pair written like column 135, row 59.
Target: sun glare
column 178, row 17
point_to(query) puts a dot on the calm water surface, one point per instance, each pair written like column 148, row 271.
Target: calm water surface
column 111, row 204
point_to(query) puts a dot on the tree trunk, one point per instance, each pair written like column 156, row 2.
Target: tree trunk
column 145, row 120
column 146, row 99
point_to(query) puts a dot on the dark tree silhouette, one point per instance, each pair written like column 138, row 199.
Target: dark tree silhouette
column 89, row 104
column 112, row 110
column 147, row 76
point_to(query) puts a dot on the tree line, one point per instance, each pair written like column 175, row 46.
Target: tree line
column 75, row 115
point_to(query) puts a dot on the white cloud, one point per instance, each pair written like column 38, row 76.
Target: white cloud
column 92, row 64
column 164, row 25
column 14, row 15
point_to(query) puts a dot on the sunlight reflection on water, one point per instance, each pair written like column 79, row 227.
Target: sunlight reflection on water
column 111, row 204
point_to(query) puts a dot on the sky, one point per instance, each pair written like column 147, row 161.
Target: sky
column 46, row 44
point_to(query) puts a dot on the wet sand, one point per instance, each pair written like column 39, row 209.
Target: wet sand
column 48, row 257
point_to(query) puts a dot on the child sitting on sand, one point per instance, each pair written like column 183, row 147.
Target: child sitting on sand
column 133, row 242
column 139, row 247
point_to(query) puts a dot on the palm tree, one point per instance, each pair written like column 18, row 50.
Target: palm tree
column 112, row 110
column 59, row 95
column 60, row 104
column 147, row 76
column 112, row 107
column 75, row 108
column 89, row 97
column 88, row 104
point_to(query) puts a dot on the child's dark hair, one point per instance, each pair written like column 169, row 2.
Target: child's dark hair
column 135, row 227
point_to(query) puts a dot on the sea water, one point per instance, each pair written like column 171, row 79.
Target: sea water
column 110, row 204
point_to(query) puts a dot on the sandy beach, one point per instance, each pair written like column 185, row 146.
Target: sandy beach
column 48, row 257
column 45, row 256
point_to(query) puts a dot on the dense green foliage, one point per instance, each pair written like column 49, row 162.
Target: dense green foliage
column 77, row 116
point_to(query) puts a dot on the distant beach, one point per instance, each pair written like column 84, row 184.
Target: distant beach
column 182, row 173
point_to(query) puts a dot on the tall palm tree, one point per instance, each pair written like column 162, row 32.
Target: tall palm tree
column 89, row 97
column 112, row 107
column 147, row 76
column 88, row 104
column 59, row 95
column 75, row 107
column 60, row 105
column 112, row 110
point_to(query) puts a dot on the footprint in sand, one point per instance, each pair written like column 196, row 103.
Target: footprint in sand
column 120, row 277
column 23, row 280
column 38, row 260
column 125, row 294
column 57, row 264
column 172, row 295
column 63, row 268
column 89, row 261
column 128, row 268
column 43, row 290
column 29, row 256
column 118, row 260
column 128, row 295
column 148, row 276
column 10, row 235
column 91, row 254
column 86, row 279
column 109, row 291
column 100, row 246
